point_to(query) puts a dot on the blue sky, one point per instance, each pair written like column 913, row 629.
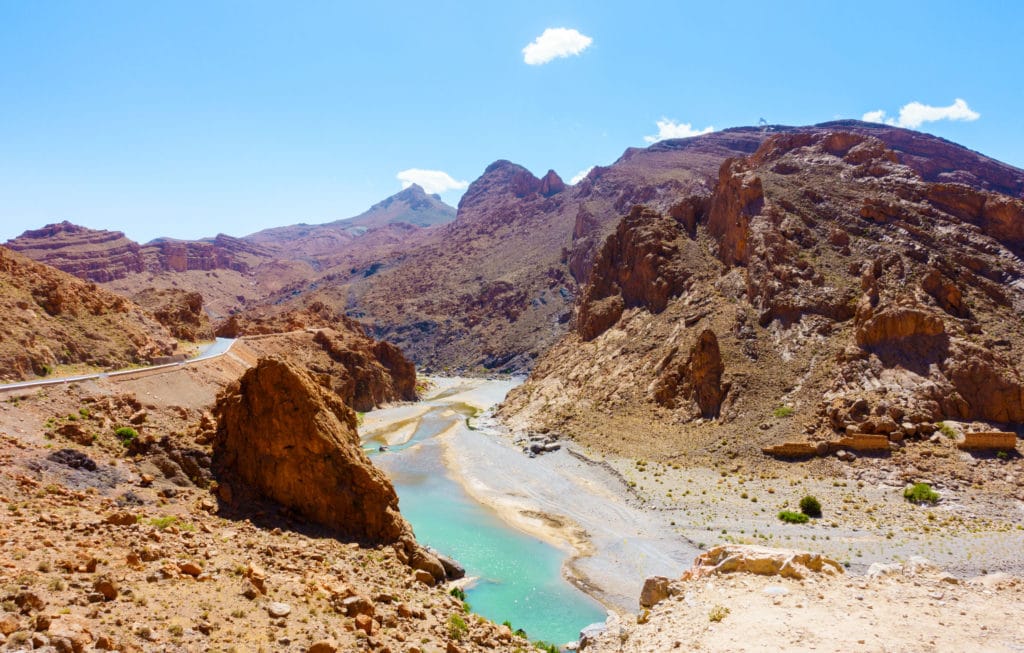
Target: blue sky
column 185, row 119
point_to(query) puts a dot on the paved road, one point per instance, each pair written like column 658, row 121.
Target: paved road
column 213, row 350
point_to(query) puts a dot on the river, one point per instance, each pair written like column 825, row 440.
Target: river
column 518, row 576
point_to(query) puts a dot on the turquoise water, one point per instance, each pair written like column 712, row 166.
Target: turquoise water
column 519, row 576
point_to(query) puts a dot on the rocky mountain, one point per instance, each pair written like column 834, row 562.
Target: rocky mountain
column 842, row 287
column 54, row 319
column 495, row 288
column 410, row 207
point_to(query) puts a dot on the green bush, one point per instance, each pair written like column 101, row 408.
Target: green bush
column 457, row 627
column 458, row 593
column 921, row 493
column 546, row 647
column 947, row 430
column 783, row 411
column 791, row 517
column 126, row 435
column 810, row 506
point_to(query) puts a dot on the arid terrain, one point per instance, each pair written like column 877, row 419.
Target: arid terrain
column 712, row 329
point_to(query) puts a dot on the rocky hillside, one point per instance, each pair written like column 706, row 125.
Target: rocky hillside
column 178, row 310
column 54, row 319
column 843, row 287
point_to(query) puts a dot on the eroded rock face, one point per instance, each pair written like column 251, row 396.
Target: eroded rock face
column 697, row 380
column 293, row 441
column 178, row 310
column 739, row 198
column 639, row 266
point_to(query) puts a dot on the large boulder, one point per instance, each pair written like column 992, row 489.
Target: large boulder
column 284, row 435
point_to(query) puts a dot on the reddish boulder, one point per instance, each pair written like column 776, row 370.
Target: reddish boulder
column 293, row 441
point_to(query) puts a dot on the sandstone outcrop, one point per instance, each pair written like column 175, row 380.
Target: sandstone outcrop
column 762, row 561
column 290, row 439
column 89, row 254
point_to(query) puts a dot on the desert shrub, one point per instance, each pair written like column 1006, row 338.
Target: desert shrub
column 457, row 627
column 791, row 517
column 546, row 647
column 718, row 613
column 783, row 411
column 947, row 430
column 921, row 493
column 458, row 593
column 163, row 522
column 126, row 435
column 810, row 506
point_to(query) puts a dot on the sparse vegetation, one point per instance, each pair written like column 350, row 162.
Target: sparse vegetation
column 457, row 627
column 810, row 506
column 718, row 613
column 163, row 522
column 547, row 647
column 126, row 435
column 947, row 430
column 791, row 517
column 783, row 411
column 458, row 593
column 921, row 493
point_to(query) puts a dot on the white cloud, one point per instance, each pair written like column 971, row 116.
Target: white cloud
column 874, row 116
column 915, row 114
column 672, row 129
column 580, row 176
column 555, row 42
column 432, row 181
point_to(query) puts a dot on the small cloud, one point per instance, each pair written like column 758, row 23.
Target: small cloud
column 555, row 42
column 874, row 116
column 915, row 114
column 672, row 129
column 580, row 176
column 432, row 181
